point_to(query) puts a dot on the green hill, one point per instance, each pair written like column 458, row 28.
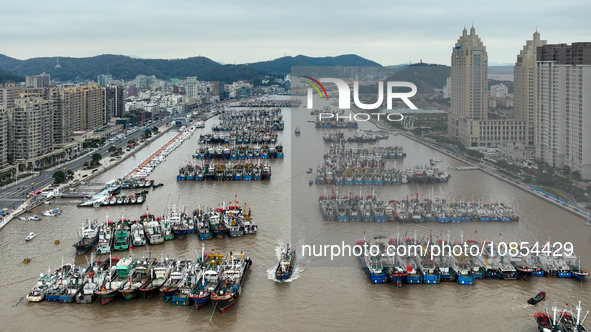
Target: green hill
column 7, row 77
column 127, row 68
column 282, row 66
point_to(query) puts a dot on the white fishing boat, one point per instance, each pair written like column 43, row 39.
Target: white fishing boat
column 52, row 213
column 30, row 236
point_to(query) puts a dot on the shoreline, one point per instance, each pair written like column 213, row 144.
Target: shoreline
column 28, row 205
column 481, row 167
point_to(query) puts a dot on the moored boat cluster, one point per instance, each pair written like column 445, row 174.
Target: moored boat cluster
column 212, row 276
column 231, row 220
column 421, row 266
column 369, row 208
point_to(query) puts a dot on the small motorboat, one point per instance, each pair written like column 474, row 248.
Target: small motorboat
column 310, row 182
column 30, row 236
column 534, row 300
column 297, row 131
column 34, row 218
column 310, row 170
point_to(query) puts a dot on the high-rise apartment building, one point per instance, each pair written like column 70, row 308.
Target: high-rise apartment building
column 113, row 102
column 3, row 138
column 525, row 86
column 61, row 116
column 563, row 111
column 192, row 87
column 31, row 128
column 468, row 120
column 104, row 79
column 37, row 81
column 84, row 105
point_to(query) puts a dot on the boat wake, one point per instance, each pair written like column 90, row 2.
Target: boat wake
column 271, row 271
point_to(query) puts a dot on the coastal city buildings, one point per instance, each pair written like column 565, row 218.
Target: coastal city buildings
column 31, row 128
column 525, row 85
column 563, row 135
column 468, row 120
column 37, row 81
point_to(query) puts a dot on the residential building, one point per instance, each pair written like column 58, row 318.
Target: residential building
column 84, row 105
column 192, row 87
column 61, row 116
column 37, row 81
column 563, row 112
column 104, row 79
column 4, row 137
column 525, row 85
column 499, row 91
column 31, row 128
column 113, row 102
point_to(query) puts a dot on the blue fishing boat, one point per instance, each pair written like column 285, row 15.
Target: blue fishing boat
column 285, row 266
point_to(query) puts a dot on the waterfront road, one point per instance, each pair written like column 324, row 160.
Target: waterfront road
column 11, row 198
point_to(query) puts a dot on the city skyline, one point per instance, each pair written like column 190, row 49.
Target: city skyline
column 244, row 32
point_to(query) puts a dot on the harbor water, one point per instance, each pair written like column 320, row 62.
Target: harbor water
column 328, row 295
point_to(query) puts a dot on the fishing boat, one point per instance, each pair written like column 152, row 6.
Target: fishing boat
column 232, row 281
column 192, row 276
column 232, row 223
column 202, row 225
column 285, row 267
column 177, row 275
column 37, row 294
column 31, row 236
column 96, row 276
column 539, row 297
column 209, row 281
column 372, row 264
column 88, row 238
column 77, row 278
column 152, row 230
column 121, row 237
column 575, row 267
column 57, row 288
column 544, row 322
column 138, row 277
column 52, row 213
column 158, row 276
column 138, row 237
column 116, row 278
column 105, row 239
column 215, row 224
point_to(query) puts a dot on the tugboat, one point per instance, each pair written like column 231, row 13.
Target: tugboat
column 234, row 273
column 284, row 269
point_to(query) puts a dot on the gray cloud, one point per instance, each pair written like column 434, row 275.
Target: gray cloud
column 245, row 31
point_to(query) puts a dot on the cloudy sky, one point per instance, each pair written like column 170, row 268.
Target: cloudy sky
column 230, row 31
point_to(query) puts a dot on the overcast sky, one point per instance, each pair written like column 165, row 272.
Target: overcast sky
column 230, row 31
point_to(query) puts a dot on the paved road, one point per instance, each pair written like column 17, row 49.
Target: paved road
column 11, row 198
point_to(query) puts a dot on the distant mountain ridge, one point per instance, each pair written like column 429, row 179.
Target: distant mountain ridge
column 6, row 76
column 127, row 68
column 282, row 66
